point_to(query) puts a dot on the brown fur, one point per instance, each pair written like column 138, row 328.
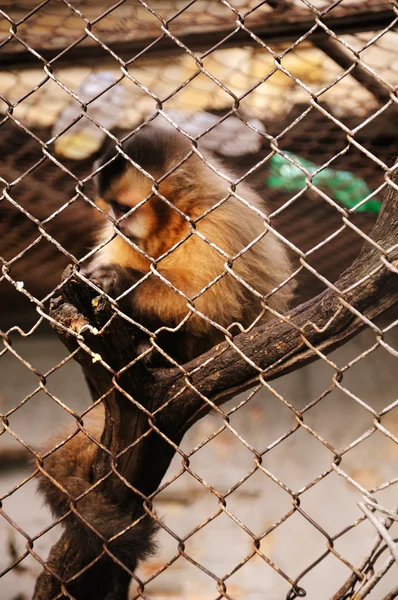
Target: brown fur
column 156, row 228
column 97, row 517
column 195, row 263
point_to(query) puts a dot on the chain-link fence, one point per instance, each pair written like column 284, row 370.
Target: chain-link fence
column 241, row 225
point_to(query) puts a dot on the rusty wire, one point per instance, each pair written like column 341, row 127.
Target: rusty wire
column 71, row 28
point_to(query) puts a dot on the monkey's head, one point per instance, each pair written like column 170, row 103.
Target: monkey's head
column 156, row 162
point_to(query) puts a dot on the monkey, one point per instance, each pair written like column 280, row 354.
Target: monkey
column 187, row 253
column 197, row 257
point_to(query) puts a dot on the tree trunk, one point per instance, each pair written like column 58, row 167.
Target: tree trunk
column 140, row 437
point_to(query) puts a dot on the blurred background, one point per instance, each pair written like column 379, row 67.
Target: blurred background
column 288, row 88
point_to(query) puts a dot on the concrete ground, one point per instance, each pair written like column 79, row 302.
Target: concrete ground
column 222, row 544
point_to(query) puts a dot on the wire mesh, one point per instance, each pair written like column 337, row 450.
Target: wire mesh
column 308, row 469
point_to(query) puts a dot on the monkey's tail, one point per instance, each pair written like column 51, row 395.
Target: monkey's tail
column 96, row 519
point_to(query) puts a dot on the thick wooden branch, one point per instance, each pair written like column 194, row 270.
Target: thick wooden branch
column 364, row 291
column 111, row 351
column 369, row 287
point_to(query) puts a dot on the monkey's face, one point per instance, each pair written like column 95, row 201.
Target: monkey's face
column 134, row 200
column 126, row 200
column 142, row 215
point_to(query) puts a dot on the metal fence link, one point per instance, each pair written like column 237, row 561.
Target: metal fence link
column 311, row 88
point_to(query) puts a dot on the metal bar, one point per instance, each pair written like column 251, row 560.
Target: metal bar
column 336, row 52
column 277, row 28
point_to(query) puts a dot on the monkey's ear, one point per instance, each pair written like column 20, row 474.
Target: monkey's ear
column 96, row 166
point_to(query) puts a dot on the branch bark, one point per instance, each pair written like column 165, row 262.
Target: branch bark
column 149, row 411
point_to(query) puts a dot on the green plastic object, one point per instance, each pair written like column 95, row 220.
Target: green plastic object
column 341, row 185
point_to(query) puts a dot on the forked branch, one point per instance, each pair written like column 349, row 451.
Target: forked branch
column 149, row 411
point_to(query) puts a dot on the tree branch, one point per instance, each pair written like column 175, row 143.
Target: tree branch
column 368, row 287
column 147, row 412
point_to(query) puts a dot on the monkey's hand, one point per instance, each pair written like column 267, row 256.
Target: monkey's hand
column 115, row 280
column 112, row 279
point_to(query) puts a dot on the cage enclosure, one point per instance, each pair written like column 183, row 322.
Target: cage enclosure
column 265, row 467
